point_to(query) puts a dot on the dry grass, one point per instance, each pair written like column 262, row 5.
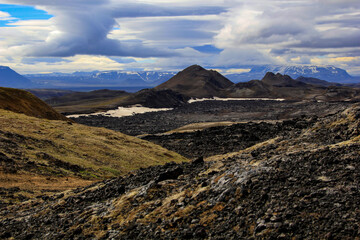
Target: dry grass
column 200, row 126
column 204, row 125
column 100, row 153
column 32, row 185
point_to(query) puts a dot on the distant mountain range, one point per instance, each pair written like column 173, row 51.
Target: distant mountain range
column 197, row 82
column 148, row 79
column 102, row 79
column 328, row 73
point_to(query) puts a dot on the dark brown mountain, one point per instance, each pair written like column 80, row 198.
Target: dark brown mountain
column 21, row 101
column 283, row 86
column 156, row 98
column 316, row 81
column 279, row 80
column 44, row 94
column 198, row 82
column 87, row 102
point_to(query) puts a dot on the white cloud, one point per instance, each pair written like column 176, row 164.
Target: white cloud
column 164, row 31
column 4, row 16
column 82, row 27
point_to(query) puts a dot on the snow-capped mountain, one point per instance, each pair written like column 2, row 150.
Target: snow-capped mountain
column 149, row 79
column 104, row 78
column 328, row 73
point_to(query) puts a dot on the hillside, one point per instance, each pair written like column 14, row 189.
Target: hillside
column 21, row 101
column 44, row 94
column 301, row 185
column 88, row 101
column 38, row 156
column 198, row 82
column 100, row 100
column 10, row 78
column 156, row 99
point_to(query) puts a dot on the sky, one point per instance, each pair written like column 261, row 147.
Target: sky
column 42, row 36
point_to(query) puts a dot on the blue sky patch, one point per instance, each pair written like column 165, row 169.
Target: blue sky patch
column 20, row 12
column 208, row 49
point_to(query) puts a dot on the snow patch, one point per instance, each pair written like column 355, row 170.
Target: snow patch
column 123, row 111
column 233, row 99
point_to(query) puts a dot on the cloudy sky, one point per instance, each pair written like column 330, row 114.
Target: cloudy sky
column 231, row 35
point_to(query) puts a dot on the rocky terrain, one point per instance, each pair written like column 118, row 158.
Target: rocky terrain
column 300, row 185
column 226, row 139
column 212, row 111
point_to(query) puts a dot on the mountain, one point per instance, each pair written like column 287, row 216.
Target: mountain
column 44, row 94
column 21, row 101
column 86, row 102
column 273, row 86
column 102, row 79
column 38, row 156
column 146, row 79
column 328, row 73
column 316, row 81
column 279, row 80
column 298, row 185
column 153, row 98
column 10, row 78
column 198, row 82
column 100, row 100
column 283, row 86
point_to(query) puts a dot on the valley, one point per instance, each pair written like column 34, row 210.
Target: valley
column 280, row 163
column 212, row 111
column 300, row 184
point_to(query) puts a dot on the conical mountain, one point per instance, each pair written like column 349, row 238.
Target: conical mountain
column 195, row 81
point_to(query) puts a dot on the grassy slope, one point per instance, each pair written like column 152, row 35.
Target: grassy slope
column 21, row 101
column 88, row 101
column 55, row 151
column 91, row 106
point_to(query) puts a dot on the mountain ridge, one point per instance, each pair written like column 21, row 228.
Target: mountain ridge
column 195, row 81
